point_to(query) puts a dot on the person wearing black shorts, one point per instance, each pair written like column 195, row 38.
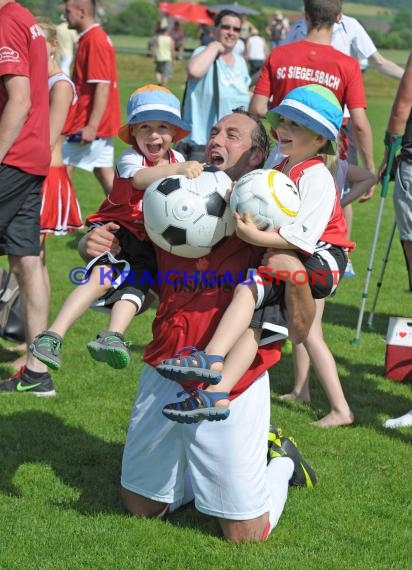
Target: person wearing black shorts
column 24, row 163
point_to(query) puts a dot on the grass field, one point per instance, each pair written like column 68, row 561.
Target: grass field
column 60, row 457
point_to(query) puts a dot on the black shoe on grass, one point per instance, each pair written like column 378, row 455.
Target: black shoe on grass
column 303, row 474
column 23, row 383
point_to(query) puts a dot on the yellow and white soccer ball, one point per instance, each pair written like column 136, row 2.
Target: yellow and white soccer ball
column 270, row 197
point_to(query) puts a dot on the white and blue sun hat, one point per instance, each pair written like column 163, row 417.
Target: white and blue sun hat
column 153, row 103
column 313, row 106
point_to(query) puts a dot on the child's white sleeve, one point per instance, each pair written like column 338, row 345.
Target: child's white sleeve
column 128, row 163
column 318, row 197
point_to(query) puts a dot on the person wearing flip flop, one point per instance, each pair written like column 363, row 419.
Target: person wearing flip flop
column 153, row 124
column 313, row 248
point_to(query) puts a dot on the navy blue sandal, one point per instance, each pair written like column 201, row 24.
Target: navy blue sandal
column 194, row 366
column 200, row 405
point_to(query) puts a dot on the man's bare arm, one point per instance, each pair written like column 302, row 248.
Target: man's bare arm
column 15, row 111
column 100, row 101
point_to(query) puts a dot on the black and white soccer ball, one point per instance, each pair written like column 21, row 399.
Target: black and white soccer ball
column 187, row 217
column 270, row 197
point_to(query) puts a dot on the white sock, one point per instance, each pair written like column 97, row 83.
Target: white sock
column 278, row 473
column 403, row 421
column 188, row 494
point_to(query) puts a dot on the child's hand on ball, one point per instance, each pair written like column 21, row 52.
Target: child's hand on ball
column 191, row 169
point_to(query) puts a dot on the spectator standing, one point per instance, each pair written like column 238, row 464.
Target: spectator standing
column 60, row 211
column 350, row 37
column 246, row 28
column 314, row 60
column 97, row 117
column 256, row 52
column 164, row 56
column 178, row 36
column 277, row 30
column 24, row 159
column 400, row 128
column 218, row 81
column 67, row 39
column 206, row 34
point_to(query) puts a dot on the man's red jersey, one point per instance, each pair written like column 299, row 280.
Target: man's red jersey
column 304, row 62
column 95, row 63
column 23, row 53
column 194, row 293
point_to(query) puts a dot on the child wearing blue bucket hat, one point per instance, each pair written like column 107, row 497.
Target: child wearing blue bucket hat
column 311, row 250
column 153, row 124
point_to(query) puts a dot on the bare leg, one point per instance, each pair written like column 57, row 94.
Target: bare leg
column 70, row 169
column 121, row 316
column 46, row 278
column 326, row 371
column 22, row 360
column 235, row 321
column 301, row 366
column 300, row 306
column 34, row 298
column 105, row 176
column 234, row 531
column 348, row 213
column 141, row 506
column 245, row 531
column 407, row 250
column 237, row 363
column 79, row 301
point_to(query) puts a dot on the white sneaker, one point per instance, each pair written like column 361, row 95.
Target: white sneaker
column 402, row 421
column 349, row 271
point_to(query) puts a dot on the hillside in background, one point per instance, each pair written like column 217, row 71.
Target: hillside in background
column 365, row 8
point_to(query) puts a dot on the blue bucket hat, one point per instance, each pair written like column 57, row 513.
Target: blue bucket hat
column 313, row 106
column 153, row 103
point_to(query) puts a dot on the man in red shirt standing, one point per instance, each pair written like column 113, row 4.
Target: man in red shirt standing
column 97, row 119
column 314, row 60
column 24, row 163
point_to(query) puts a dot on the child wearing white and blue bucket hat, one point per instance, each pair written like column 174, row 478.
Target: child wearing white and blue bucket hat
column 153, row 103
column 310, row 251
column 314, row 107
column 120, row 283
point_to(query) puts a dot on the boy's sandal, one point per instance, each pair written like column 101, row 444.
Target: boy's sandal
column 196, row 365
column 199, row 406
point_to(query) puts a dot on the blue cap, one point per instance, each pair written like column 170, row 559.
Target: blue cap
column 313, row 106
column 153, row 103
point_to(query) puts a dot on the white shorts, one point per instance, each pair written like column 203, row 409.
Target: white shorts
column 88, row 156
column 226, row 459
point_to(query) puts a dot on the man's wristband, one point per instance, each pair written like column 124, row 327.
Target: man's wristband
column 392, row 138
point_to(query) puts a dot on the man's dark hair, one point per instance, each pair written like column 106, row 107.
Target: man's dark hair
column 323, row 13
column 219, row 17
column 259, row 135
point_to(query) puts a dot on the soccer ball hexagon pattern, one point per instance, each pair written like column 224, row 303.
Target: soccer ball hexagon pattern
column 187, row 217
column 270, row 197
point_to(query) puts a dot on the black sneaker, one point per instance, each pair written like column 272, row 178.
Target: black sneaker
column 303, row 474
column 23, row 383
column 110, row 347
column 46, row 347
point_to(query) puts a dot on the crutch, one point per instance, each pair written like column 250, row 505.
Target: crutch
column 382, row 273
column 392, row 143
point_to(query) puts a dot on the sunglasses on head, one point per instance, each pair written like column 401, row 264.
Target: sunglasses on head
column 229, row 27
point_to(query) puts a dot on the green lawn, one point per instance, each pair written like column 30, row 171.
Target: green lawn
column 60, row 457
